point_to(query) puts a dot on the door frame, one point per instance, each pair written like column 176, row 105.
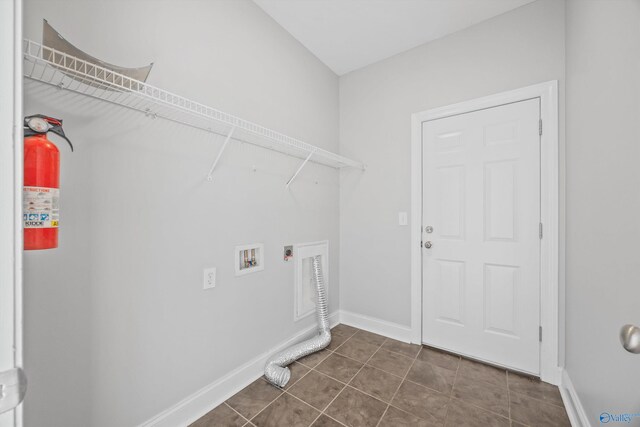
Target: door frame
column 11, row 196
column 550, row 366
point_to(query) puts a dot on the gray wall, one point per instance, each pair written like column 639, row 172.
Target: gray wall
column 603, row 202
column 118, row 327
column 520, row 48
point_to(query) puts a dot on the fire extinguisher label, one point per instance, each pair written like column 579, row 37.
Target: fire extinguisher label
column 40, row 207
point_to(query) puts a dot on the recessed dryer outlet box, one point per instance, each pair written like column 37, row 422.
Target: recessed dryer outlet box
column 304, row 285
column 249, row 258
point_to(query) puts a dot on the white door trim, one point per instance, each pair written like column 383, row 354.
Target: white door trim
column 549, row 193
column 11, row 195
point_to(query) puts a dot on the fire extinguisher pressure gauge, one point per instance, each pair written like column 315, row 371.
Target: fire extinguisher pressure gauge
column 38, row 124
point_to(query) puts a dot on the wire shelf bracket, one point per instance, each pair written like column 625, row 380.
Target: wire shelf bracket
column 52, row 67
column 299, row 169
column 215, row 162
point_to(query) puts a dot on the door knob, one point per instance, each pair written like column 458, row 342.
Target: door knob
column 427, row 244
column 630, row 338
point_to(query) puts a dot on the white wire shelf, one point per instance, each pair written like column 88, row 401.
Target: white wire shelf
column 50, row 66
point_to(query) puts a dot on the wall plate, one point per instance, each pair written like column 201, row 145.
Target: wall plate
column 254, row 254
column 288, row 252
column 209, row 279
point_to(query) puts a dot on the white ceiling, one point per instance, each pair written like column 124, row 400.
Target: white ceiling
column 349, row 34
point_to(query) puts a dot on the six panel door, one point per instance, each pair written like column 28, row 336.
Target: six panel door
column 481, row 196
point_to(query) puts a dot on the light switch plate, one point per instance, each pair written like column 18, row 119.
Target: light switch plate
column 402, row 218
column 209, row 279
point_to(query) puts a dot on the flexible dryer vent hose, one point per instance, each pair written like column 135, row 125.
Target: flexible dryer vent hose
column 276, row 370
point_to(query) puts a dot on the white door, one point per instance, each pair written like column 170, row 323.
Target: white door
column 481, row 196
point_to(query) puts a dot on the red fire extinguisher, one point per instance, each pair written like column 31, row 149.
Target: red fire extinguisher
column 41, row 191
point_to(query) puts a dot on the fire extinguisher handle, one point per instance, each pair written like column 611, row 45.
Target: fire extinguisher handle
column 58, row 131
column 33, row 126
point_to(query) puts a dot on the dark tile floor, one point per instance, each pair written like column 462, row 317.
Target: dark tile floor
column 364, row 379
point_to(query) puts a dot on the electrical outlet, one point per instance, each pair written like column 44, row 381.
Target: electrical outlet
column 209, row 278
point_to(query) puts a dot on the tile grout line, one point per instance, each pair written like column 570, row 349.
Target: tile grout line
column 451, row 396
column 312, row 407
column 380, row 348
column 242, row 416
column 547, row 402
column 321, row 411
column 299, row 379
column 357, row 389
column 351, row 337
column 398, row 389
column 424, row 386
column 329, row 404
column 267, row 405
column 482, row 381
column 330, row 417
column 347, row 339
column 455, row 378
column 397, row 354
column 401, row 354
column 403, row 379
column 482, row 407
column 282, row 391
column 337, row 394
column 466, row 402
column 310, row 369
column 313, row 369
column 509, row 399
column 361, row 368
column 347, row 383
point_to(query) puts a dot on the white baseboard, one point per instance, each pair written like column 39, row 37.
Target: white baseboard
column 553, row 376
column 377, row 326
column 199, row 403
column 575, row 410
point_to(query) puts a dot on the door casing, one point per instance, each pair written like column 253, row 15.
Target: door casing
column 11, row 196
column 550, row 314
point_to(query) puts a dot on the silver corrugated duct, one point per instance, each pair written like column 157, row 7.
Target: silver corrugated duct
column 276, row 370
